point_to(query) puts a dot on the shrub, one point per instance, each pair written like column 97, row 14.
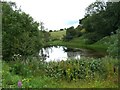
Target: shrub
column 114, row 49
column 77, row 69
column 92, row 37
column 31, row 66
column 68, row 37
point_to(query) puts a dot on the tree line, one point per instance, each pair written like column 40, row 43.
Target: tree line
column 101, row 19
column 21, row 36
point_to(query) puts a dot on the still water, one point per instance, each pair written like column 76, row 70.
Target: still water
column 58, row 53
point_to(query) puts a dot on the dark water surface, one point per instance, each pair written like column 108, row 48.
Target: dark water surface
column 58, row 53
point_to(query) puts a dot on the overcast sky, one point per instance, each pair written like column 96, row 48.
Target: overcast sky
column 56, row 14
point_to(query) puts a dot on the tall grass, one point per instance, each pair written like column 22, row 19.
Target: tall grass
column 83, row 73
column 85, row 68
column 0, row 74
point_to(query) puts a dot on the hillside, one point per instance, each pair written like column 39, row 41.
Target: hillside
column 57, row 35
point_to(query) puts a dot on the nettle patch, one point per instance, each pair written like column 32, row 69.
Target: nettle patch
column 76, row 69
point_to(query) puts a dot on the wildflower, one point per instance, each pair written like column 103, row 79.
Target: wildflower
column 23, row 80
column 68, row 69
column 19, row 84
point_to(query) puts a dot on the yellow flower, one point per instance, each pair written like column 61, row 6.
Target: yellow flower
column 24, row 80
column 28, row 79
column 68, row 69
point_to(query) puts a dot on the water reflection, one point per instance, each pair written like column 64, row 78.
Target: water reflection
column 53, row 53
column 59, row 53
column 74, row 55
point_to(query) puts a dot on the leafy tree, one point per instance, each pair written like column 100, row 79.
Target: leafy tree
column 78, row 30
column 68, row 37
column 46, row 36
column 71, row 31
column 102, row 19
column 50, row 31
column 87, row 24
column 61, row 29
column 95, row 8
column 112, row 15
column 20, row 33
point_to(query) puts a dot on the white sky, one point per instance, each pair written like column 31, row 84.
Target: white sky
column 56, row 14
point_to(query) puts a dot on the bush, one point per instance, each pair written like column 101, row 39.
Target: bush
column 50, row 31
column 86, row 68
column 30, row 66
column 67, row 37
column 92, row 37
column 114, row 49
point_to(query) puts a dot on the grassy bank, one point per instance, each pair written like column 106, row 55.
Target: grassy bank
column 0, row 74
column 80, row 43
column 35, row 74
column 57, row 35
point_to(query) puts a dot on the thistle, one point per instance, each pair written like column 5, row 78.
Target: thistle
column 19, row 84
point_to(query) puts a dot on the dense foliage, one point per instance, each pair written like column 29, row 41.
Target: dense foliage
column 72, row 32
column 101, row 19
column 76, row 69
column 20, row 33
column 34, row 74
column 114, row 48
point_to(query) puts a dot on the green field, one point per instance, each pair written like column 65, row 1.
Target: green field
column 80, row 43
column 57, row 35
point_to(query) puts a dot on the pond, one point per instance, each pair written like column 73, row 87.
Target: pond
column 58, row 53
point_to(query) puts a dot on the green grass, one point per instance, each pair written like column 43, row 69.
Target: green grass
column 0, row 74
column 80, row 43
column 57, row 35
column 89, row 84
column 42, row 80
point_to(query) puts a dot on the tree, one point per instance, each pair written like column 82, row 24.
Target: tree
column 50, row 31
column 71, row 31
column 78, row 30
column 20, row 33
column 46, row 36
column 95, row 8
column 113, row 15
column 41, row 26
column 61, row 29
column 102, row 21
